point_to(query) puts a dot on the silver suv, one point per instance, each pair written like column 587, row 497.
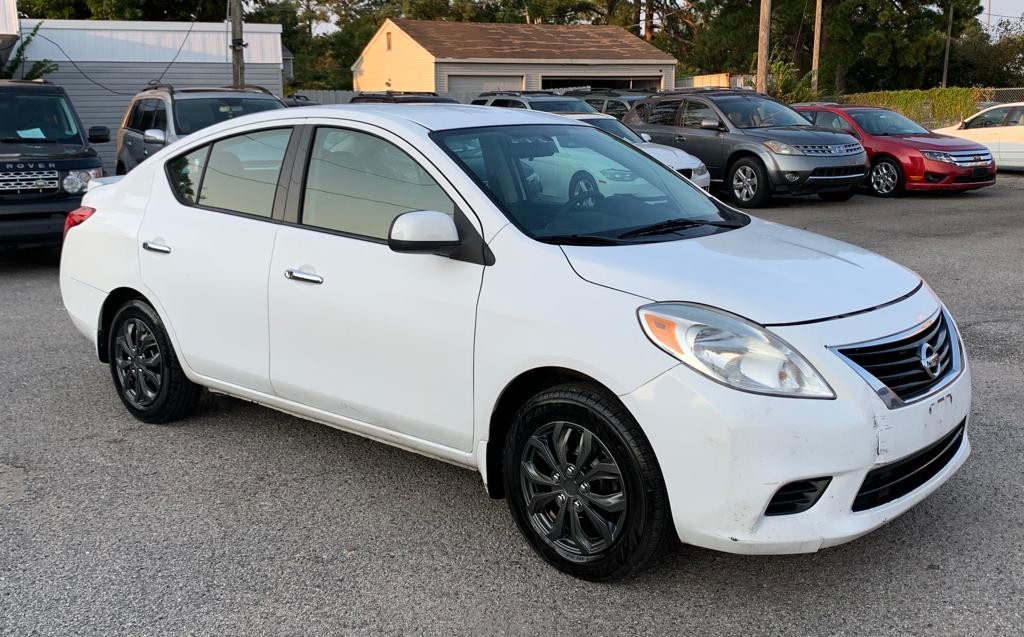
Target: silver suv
column 547, row 101
column 160, row 114
column 754, row 145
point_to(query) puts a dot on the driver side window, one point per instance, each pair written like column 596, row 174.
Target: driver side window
column 994, row 117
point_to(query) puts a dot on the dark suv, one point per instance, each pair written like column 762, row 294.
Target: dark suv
column 753, row 144
column 400, row 97
column 46, row 162
column 614, row 102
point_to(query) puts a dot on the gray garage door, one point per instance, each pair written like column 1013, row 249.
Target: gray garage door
column 477, row 83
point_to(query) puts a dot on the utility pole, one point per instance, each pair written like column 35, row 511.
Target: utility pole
column 237, row 45
column 949, row 38
column 816, row 53
column 762, row 46
column 649, row 21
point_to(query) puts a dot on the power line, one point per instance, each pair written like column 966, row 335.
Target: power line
column 78, row 68
column 180, row 47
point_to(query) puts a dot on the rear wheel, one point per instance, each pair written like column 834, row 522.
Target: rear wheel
column 583, row 484
column 146, row 373
column 748, row 183
column 581, row 185
column 886, row 178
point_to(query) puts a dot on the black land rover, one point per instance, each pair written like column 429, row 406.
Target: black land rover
column 45, row 160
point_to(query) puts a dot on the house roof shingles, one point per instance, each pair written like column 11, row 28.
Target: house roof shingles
column 489, row 40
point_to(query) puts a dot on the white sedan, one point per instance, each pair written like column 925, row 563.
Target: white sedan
column 678, row 160
column 622, row 368
column 1000, row 128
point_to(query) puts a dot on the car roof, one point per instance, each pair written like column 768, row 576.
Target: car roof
column 32, row 85
column 430, row 116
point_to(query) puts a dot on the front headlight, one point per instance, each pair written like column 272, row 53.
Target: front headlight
column 700, row 171
column 780, row 148
column 78, row 180
column 935, row 155
column 732, row 350
column 616, row 174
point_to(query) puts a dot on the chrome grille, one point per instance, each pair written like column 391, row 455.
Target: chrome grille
column 831, row 150
column 35, row 181
column 906, row 367
column 968, row 158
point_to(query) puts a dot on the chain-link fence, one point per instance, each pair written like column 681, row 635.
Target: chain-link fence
column 1007, row 95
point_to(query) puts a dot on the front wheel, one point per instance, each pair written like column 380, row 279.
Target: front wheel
column 146, row 373
column 748, row 183
column 886, row 178
column 583, row 484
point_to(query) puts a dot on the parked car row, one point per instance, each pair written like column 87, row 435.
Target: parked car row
column 750, row 145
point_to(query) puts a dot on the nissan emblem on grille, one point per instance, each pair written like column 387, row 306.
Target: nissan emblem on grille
column 930, row 359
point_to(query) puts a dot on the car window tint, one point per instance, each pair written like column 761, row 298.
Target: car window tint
column 134, row 120
column 616, row 109
column 185, row 171
column 596, row 103
column 148, row 113
column 664, row 113
column 825, row 119
column 994, row 117
column 358, row 183
column 242, row 172
column 695, row 113
column 159, row 116
column 479, row 102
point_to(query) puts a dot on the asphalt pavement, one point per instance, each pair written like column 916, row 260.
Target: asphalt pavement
column 242, row 520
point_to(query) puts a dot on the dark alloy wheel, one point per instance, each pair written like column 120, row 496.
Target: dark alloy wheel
column 583, row 484
column 145, row 370
column 581, row 185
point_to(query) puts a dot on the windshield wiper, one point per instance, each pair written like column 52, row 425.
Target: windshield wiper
column 671, row 225
column 27, row 140
column 579, row 240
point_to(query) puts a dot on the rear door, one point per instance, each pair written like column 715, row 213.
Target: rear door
column 706, row 145
column 206, row 243
column 661, row 119
column 1011, row 141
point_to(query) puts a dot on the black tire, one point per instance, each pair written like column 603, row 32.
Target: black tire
column 145, row 370
column 841, row 195
column 748, row 183
column 886, row 178
column 571, row 496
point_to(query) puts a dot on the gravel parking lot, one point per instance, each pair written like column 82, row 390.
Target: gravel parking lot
column 242, row 520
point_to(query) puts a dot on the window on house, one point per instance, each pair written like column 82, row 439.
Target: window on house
column 387, row 36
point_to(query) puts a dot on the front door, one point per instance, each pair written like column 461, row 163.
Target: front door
column 356, row 330
column 707, row 145
column 205, row 247
column 986, row 128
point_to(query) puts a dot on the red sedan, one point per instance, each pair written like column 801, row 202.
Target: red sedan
column 903, row 154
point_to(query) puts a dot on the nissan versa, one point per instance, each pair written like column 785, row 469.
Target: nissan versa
column 623, row 367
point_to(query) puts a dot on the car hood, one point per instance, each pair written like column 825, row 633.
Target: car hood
column 801, row 135
column 934, row 141
column 671, row 157
column 766, row 272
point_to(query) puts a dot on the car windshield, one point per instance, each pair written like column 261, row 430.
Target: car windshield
column 754, row 111
column 571, row 184
column 615, row 127
column 27, row 118
column 194, row 114
column 879, row 122
column 562, row 106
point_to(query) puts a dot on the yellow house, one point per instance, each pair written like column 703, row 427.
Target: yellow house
column 470, row 57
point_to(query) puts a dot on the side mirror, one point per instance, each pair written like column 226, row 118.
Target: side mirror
column 710, row 124
column 645, row 137
column 99, row 135
column 963, row 124
column 154, row 136
column 423, row 231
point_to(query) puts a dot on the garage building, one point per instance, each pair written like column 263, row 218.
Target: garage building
column 470, row 57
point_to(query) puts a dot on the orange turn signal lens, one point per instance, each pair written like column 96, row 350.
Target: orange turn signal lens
column 664, row 331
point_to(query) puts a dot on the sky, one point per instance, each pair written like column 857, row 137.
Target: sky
column 1003, row 7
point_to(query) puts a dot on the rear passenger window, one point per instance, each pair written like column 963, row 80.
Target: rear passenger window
column 664, row 113
column 616, row 109
column 358, row 183
column 596, row 103
column 242, row 171
column 185, row 172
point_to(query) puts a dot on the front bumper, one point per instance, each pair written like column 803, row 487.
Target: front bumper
column 724, row 453
column 35, row 221
column 936, row 175
column 805, row 174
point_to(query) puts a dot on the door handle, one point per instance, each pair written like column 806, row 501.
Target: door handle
column 299, row 275
column 156, row 247
column 145, row 152
column 127, row 143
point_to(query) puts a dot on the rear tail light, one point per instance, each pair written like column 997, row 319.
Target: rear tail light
column 77, row 216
